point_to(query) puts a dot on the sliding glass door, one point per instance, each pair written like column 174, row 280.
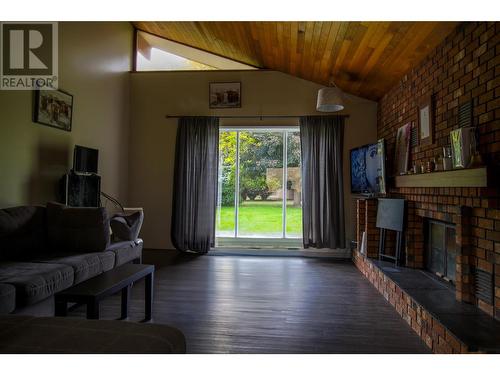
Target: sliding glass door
column 259, row 184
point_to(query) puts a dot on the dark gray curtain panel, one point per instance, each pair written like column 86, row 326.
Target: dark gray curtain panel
column 321, row 140
column 195, row 184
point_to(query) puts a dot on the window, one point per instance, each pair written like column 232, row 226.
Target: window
column 259, row 184
column 157, row 59
column 154, row 53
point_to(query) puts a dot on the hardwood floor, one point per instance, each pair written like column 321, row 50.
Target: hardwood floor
column 245, row 304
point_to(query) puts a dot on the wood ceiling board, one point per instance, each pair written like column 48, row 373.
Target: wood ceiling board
column 306, row 59
column 323, row 69
column 336, row 49
column 370, row 63
column 320, row 50
column 294, row 30
column 365, row 58
column 366, row 47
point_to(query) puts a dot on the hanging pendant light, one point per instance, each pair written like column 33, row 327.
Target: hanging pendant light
column 330, row 99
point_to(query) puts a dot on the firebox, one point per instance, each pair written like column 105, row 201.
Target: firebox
column 441, row 249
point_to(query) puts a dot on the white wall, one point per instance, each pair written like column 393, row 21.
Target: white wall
column 94, row 61
column 152, row 136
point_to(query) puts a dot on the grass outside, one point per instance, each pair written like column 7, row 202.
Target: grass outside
column 260, row 219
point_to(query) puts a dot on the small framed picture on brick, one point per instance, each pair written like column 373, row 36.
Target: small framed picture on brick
column 426, row 121
column 402, row 155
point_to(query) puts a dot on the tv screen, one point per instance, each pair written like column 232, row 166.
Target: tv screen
column 368, row 169
column 85, row 159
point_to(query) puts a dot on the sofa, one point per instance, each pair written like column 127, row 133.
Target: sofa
column 28, row 335
column 44, row 250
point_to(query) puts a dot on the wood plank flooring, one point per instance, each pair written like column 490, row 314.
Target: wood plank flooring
column 245, row 304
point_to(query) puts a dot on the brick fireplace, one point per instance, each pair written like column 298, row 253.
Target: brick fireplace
column 415, row 237
column 460, row 217
column 464, row 69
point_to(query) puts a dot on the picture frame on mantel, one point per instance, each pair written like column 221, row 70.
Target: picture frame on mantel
column 402, row 152
column 426, row 121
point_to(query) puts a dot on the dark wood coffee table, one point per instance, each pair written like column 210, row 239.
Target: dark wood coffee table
column 91, row 292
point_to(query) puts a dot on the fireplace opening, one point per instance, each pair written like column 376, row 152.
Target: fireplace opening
column 441, row 249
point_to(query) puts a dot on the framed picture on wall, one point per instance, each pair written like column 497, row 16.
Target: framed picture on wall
column 425, row 121
column 403, row 149
column 225, row 95
column 53, row 108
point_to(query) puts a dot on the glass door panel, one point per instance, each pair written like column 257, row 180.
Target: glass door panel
column 441, row 251
column 260, row 212
column 226, row 209
column 260, row 187
column 293, row 186
column 451, row 253
column 436, row 256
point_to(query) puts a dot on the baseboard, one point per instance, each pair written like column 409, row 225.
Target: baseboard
column 316, row 253
column 307, row 253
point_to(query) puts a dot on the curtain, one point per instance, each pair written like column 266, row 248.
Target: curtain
column 195, row 184
column 321, row 140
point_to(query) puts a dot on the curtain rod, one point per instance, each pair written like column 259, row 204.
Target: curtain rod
column 256, row 116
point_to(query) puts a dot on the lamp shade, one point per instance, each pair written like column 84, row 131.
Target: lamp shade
column 330, row 99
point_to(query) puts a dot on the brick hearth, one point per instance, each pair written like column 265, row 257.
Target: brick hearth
column 435, row 335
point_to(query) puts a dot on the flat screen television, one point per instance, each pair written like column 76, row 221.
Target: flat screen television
column 85, row 159
column 368, row 169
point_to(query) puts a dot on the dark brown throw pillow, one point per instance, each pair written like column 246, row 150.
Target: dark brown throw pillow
column 55, row 231
column 77, row 229
column 22, row 232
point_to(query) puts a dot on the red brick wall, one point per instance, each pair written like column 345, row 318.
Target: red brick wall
column 465, row 67
column 366, row 220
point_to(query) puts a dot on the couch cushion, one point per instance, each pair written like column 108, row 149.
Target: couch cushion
column 24, row 334
column 77, row 229
column 22, row 232
column 108, row 260
column 7, row 298
column 126, row 251
column 84, row 266
column 35, row 281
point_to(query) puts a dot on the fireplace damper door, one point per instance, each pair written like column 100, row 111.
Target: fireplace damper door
column 441, row 249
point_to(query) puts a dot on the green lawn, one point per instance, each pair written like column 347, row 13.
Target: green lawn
column 260, row 218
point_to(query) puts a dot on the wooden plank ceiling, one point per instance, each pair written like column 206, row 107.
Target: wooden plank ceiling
column 363, row 58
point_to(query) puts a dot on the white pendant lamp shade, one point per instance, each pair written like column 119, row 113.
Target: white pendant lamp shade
column 330, row 99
